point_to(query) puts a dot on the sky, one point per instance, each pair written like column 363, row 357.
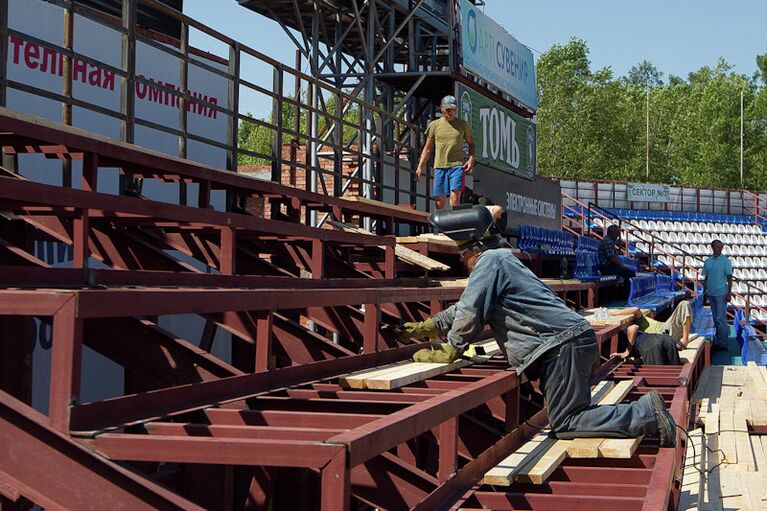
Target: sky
column 677, row 36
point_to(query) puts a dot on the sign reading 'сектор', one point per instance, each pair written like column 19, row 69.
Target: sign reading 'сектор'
column 647, row 192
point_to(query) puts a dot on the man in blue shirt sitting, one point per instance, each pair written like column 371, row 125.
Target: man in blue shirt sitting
column 609, row 257
column 718, row 287
column 537, row 332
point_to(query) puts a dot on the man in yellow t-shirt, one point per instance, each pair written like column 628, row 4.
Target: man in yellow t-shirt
column 446, row 136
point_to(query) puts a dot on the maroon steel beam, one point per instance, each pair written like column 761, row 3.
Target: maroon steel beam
column 371, row 405
column 121, row 153
column 148, row 302
column 233, row 431
column 29, row 193
column 214, row 450
column 32, row 303
column 410, row 398
column 32, row 277
column 551, row 501
column 146, row 406
column 388, row 432
column 335, row 483
column 66, row 356
column 56, row 473
column 223, row 416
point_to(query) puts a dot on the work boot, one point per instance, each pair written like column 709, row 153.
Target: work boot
column 666, row 424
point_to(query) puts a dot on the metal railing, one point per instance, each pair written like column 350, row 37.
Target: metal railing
column 326, row 128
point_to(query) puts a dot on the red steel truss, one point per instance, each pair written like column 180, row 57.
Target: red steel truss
column 270, row 425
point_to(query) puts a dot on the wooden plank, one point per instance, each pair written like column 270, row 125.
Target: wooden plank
column 504, row 473
column 759, row 455
column 709, row 384
column 541, row 466
column 710, row 497
column 413, row 373
column 688, row 354
column 618, row 393
column 600, row 390
column 450, row 282
column 435, row 239
column 742, row 441
column 727, row 427
column 712, row 420
column 584, row 447
column 758, row 416
column 757, row 379
column 623, row 448
column 385, row 205
column 692, row 482
column 357, row 380
column 402, row 253
column 730, row 490
column 418, row 259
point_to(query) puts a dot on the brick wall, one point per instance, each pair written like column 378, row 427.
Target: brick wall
column 293, row 176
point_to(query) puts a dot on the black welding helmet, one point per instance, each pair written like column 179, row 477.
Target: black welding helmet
column 465, row 224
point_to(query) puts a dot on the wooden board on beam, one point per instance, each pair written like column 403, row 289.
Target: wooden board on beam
column 583, row 447
column 542, row 465
column 406, row 373
column 618, row 393
column 402, row 253
column 621, row 448
column 503, row 473
column 385, row 205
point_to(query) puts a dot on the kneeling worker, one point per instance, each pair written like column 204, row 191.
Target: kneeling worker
column 652, row 348
column 537, row 332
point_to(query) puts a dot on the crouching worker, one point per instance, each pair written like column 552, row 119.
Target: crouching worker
column 677, row 326
column 651, row 348
column 540, row 336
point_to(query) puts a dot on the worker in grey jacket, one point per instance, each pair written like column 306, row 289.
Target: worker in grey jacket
column 538, row 333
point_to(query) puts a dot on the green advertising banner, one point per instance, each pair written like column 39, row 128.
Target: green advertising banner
column 503, row 140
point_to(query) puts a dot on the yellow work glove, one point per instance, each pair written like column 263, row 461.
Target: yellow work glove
column 419, row 330
column 442, row 353
column 470, row 352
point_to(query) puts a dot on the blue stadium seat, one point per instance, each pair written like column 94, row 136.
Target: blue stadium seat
column 643, row 295
column 665, row 286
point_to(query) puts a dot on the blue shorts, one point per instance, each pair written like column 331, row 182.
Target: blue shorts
column 447, row 180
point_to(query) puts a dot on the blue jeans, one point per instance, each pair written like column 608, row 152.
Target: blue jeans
column 565, row 377
column 719, row 312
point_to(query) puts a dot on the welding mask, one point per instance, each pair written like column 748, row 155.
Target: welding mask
column 470, row 226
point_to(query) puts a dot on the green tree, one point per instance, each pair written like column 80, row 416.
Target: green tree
column 591, row 125
column 645, row 75
column 258, row 136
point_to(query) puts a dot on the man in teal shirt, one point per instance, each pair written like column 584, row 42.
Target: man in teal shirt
column 718, row 287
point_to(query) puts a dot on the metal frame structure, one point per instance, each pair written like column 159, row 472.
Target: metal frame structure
column 332, row 137
column 268, row 424
column 222, row 432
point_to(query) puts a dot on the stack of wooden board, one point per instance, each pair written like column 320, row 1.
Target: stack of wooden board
column 435, row 239
column 726, row 463
column 398, row 375
column 402, row 253
column 535, row 460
